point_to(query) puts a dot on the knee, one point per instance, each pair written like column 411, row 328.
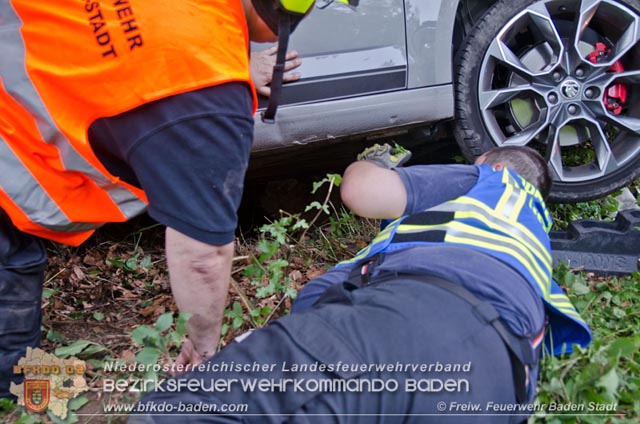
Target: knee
column 214, row 259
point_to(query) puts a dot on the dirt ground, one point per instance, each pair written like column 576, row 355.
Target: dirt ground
column 118, row 280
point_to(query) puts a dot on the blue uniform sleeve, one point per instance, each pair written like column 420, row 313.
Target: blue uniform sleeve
column 430, row 185
column 427, row 186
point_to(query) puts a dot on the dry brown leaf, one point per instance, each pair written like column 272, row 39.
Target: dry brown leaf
column 149, row 310
column 314, row 273
column 127, row 355
column 295, row 275
column 78, row 273
column 361, row 244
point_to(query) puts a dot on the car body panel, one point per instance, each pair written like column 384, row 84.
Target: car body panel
column 364, row 47
column 360, row 75
column 314, row 122
column 429, row 31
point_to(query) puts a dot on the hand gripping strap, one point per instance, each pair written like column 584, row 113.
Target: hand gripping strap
column 269, row 115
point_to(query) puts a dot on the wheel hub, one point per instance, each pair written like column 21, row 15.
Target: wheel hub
column 570, row 89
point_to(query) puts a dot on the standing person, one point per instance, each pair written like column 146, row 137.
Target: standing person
column 109, row 107
column 461, row 276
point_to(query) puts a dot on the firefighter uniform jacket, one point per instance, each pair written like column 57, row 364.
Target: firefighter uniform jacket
column 504, row 216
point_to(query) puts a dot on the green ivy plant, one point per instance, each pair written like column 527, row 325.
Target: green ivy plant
column 159, row 340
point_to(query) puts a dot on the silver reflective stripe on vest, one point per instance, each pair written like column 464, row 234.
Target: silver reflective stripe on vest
column 35, row 202
column 511, row 203
column 31, row 197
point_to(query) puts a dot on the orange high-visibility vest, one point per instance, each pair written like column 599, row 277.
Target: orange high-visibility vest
column 67, row 63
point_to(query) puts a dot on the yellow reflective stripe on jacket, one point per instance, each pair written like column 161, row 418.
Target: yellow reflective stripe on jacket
column 457, row 232
column 462, row 233
column 468, row 204
column 505, row 204
column 416, row 228
column 507, row 228
column 382, row 237
column 562, row 302
column 571, row 311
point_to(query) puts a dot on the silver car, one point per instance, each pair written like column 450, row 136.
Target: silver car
column 561, row 76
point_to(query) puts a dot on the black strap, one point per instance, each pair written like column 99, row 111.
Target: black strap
column 269, row 115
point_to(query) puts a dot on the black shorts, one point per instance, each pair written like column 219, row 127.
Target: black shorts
column 189, row 153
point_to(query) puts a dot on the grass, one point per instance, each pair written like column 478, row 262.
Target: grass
column 603, row 209
column 607, row 373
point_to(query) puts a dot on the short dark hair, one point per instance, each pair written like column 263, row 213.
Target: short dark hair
column 526, row 162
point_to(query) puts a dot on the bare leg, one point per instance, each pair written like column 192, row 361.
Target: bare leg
column 199, row 275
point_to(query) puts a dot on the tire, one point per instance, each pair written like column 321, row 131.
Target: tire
column 521, row 79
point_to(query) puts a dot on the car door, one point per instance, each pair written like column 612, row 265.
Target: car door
column 348, row 52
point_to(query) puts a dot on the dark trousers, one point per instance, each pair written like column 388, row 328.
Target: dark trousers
column 22, row 261
column 395, row 323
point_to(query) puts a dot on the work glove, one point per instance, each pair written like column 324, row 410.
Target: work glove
column 385, row 156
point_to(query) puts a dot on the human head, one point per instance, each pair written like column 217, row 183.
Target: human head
column 272, row 11
column 525, row 161
column 259, row 30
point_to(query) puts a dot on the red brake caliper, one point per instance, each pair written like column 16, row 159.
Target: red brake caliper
column 615, row 97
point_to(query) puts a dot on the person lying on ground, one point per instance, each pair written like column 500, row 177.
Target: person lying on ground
column 449, row 305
